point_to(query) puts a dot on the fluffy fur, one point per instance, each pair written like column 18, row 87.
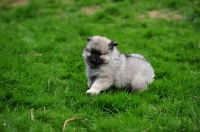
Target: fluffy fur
column 107, row 67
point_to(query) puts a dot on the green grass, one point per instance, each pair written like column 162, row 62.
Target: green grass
column 41, row 65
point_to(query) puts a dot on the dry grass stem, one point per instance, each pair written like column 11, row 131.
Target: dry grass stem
column 194, row 97
column 32, row 114
column 44, row 110
column 70, row 119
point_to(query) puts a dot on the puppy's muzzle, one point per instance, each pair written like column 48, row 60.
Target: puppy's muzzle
column 95, row 59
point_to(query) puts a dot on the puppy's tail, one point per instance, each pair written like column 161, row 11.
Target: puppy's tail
column 138, row 56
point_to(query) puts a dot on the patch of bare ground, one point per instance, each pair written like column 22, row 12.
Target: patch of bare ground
column 161, row 14
column 90, row 10
column 14, row 3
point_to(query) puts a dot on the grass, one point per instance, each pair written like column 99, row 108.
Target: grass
column 41, row 66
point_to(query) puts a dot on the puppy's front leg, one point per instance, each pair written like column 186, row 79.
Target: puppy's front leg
column 99, row 85
column 90, row 81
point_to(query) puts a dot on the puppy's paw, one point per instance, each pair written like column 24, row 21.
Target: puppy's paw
column 93, row 91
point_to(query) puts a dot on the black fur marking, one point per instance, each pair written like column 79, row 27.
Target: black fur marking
column 96, row 52
column 93, row 78
column 127, row 56
column 95, row 59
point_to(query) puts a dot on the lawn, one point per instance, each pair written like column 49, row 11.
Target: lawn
column 42, row 72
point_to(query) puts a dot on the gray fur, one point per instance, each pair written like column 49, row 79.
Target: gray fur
column 114, row 68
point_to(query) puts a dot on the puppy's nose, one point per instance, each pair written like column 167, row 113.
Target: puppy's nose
column 93, row 60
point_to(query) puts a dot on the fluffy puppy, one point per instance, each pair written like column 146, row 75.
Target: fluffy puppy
column 107, row 67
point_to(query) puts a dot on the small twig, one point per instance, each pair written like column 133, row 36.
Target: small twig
column 32, row 114
column 70, row 119
column 194, row 97
column 153, row 107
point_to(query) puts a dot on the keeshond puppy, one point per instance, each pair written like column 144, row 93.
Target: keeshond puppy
column 106, row 67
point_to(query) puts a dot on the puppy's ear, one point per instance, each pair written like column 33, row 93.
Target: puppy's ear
column 112, row 44
column 89, row 38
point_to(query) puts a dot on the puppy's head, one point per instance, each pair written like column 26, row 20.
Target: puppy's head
column 98, row 50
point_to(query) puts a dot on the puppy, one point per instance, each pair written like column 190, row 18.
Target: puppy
column 107, row 67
